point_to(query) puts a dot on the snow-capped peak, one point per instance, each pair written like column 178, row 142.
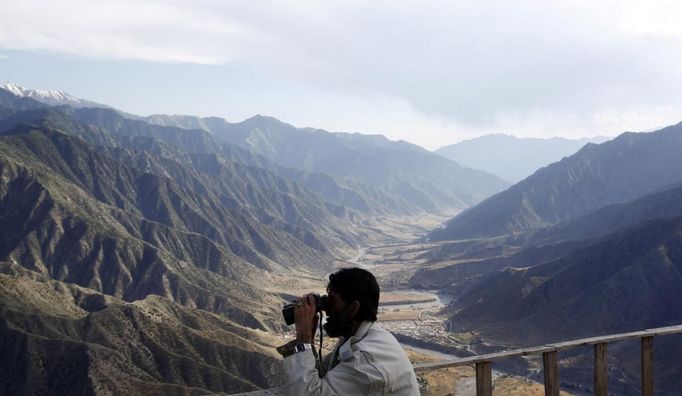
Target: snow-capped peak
column 14, row 88
column 51, row 97
column 38, row 94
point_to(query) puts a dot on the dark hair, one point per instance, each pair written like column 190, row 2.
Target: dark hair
column 357, row 284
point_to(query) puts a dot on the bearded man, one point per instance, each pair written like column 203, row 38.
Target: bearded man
column 367, row 360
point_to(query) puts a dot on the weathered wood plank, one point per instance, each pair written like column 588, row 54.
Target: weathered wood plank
column 484, row 379
column 617, row 337
column 549, row 363
column 600, row 370
column 648, row 366
column 548, row 348
column 482, row 358
column 665, row 330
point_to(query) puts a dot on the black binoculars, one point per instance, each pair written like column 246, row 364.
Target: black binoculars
column 288, row 310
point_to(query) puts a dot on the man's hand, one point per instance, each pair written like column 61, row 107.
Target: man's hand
column 306, row 319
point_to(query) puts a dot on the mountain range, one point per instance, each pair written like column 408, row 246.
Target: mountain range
column 102, row 214
column 618, row 242
column 368, row 173
column 625, row 168
column 587, row 246
column 152, row 251
column 422, row 179
column 627, row 280
column 153, row 255
column 512, row 158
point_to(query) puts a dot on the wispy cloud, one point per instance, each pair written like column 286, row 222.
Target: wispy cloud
column 118, row 30
column 2, row 57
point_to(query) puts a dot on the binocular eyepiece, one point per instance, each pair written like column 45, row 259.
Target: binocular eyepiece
column 321, row 303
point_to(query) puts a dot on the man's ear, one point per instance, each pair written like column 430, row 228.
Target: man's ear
column 354, row 308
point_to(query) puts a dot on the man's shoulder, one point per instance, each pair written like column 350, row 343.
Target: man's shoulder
column 378, row 331
column 388, row 357
column 378, row 338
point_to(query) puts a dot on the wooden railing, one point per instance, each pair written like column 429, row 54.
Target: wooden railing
column 483, row 363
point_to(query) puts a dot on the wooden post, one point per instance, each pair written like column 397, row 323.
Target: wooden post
column 648, row 366
column 549, row 362
column 600, row 370
column 484, row 379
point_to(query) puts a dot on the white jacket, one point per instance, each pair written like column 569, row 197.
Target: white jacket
column 372, row 362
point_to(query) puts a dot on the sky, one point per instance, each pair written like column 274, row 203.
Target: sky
column 429, row 72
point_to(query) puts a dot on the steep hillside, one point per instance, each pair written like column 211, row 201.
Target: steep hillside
column 367, row 173
column 663, row 204
column 511, row 158
column 628, row 167
column 62, row 227
column 356, row 195
column 234, row 177
column 138, row 258
column 579, row 257
column 629, row 280
column 613, row 270
column 144, row 255
column 351, row 194
column 422, row 179
column 61, row 339
column 603, row 221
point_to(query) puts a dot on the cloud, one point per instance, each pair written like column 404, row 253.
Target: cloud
column 2, row 57
column 469, row 65
column 117, row 30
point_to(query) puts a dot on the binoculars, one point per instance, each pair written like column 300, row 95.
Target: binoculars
column 321, row 303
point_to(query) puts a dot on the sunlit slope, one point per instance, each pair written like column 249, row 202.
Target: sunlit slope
column 55, row 225
column 58, row 338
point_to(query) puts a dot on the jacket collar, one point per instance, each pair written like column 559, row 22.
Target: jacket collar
column 346, row 348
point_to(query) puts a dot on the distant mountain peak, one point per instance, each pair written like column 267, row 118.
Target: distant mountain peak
column 16, row 89
column 623, row 169
column 50, row 97
column 510, row 157
column 263, row 118
column 38, row 93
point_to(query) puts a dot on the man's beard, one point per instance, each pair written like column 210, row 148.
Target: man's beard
column 340, row 324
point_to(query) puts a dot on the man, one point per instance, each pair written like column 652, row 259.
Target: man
column 367, row 359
